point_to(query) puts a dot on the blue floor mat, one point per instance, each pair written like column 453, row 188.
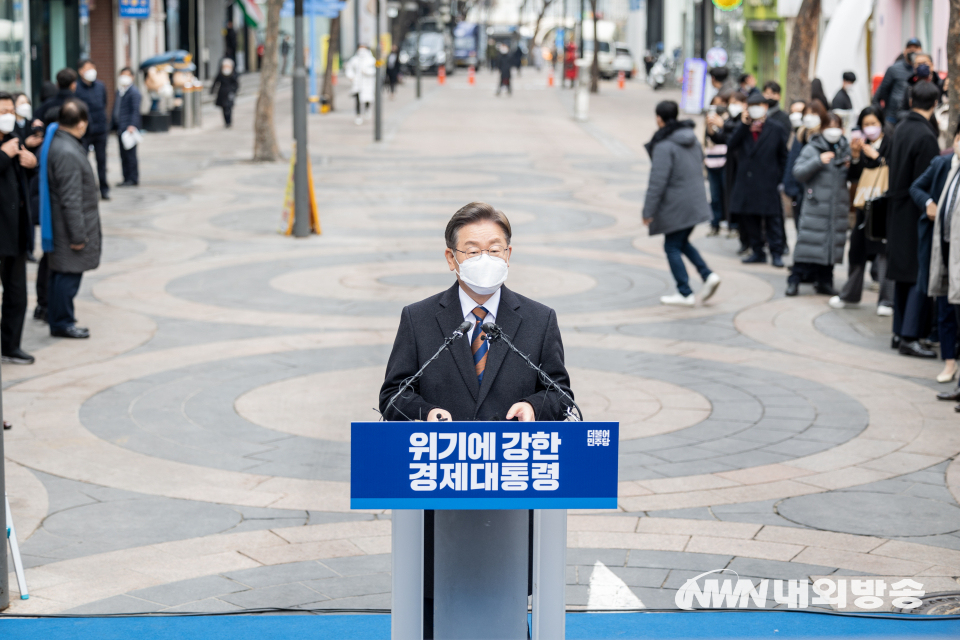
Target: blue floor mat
column 580, row 626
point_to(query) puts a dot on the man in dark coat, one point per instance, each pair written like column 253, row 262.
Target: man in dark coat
column 94, row 93
column 676, row 201
column 771, row 93
column 506, row 68
column 230, row 42
column 50, row 108
column 16, row 233
column 914, row 146
column 889, row 95
column 842, row 98
column 74, row 217
column 226, row 86
column 126, row 117
column 760, row 147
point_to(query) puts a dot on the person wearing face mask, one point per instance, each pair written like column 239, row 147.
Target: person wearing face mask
column 16, row 233
column 811, row 117
column 718, row 130
column 822, row 169
column 869, row 150
column 94, row 93
column 771, row 93
column 226, row 85
column 889, row 95
column 126, row 117
column 923, row 72
column 715, row 159
column 913, row 146
column 937, row 193
column 50, row 108
column 761, row 150
column 69, row 216
column 842, row 98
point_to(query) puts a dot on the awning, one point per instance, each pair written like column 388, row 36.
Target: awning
column 252, row 14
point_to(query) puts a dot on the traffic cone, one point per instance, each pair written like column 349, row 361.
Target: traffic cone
column 621, row 77
column 471, row 75
column 441, row 74
column 333, row 79
column 550, row 77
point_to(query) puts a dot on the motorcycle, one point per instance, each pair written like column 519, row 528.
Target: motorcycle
column 659, row 71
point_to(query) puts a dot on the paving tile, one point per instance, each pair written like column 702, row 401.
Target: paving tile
column 281, row 595
column 279, row 574
column 359, row 565
column 343, row 587
column 184, row 591
column 674, row 560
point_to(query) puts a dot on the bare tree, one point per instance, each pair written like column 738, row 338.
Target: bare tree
column 595, row 64
column 536, row 25
column 953, row 65
column 523, row 7
column 265, row 148
column 333, row 45
column 804, row 41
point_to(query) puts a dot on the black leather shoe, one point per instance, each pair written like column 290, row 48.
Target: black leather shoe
column 18, row 356
column 104, row 195
column 793, row 288
column 755, row 258
column 950, row 396
column 895, row 342
column 40, row 313
column 915, row 349
column 825, row 289
column 72, row 332
column 956, row 408
column 777, row 261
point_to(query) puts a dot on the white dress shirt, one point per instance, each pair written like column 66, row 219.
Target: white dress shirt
column 468, row 304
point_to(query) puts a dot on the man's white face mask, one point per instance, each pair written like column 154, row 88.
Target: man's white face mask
column 483, row 274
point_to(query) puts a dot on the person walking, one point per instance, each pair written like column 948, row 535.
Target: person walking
column 361, row 69
column 761, row 150
column 940, row 185
column 913, row 146
column 675, row 201
column 822, row 169
column 841, row 100
column 889, row 95
column 16, row 233
column 869, row 150
column 506, row 68
column 393, row 70
column 94, row 93
column 126, row 117
column 69, row 214
column 226, row 85
column 285, row 54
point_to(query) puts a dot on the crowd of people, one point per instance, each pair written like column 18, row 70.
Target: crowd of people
column 47, row 181
column 880, row 185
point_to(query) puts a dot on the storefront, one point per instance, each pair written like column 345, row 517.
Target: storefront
column 764, row 44
column 14, row 40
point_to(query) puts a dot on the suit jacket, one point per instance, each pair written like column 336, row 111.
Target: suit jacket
column 451, row 381
column 929, row 186
column 760, row 166
column 95, row 95
column 126, row 110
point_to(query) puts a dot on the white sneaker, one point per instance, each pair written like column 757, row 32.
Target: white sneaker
column 359, row 120
column 884, row 310
column 679, row 300
column 836, row 303
column 709, row 287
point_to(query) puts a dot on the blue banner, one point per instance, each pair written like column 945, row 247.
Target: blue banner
column 139, row 9
column 484, row 465
column 318, row 8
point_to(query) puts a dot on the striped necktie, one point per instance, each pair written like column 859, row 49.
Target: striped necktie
column 480, row 345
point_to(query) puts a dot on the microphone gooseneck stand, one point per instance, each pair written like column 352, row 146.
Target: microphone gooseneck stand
column 458, row 333
column 495, row 333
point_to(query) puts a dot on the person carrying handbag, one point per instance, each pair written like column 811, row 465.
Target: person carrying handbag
column 869, row 170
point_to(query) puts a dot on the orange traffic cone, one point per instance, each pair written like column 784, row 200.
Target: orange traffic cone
column 471, row 75
column 441, row 74
column 550, row 77
column 621, row 77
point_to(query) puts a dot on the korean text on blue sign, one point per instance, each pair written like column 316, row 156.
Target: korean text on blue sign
column 484, row 465
column 135, row 9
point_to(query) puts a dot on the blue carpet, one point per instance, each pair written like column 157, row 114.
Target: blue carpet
column 580, row 626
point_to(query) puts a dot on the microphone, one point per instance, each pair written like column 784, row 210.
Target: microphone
column 495, row 333
column 459, row 332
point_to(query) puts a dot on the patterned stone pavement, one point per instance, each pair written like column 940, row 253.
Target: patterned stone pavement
column 192, row 455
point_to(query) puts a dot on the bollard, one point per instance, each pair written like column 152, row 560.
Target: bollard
column 441, row 74
column 581, row 100
column 471, row 75
column 187, row 108
column 621, row 77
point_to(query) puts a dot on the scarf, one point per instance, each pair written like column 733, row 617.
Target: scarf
column 46, row 226
column 664, row 133
column 755, row 128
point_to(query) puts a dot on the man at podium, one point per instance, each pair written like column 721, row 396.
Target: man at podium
column 474, row 380
column 476, row 563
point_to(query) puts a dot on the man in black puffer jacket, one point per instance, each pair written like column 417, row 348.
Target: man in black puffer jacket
column 895, row 82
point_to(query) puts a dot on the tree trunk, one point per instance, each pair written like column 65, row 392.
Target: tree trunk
column 798, row 60
column 265, row 148
column 332, row 47
column 536, row 26
column 595, row 64
column 953, row 67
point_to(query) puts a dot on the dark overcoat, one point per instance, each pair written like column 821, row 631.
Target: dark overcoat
column 74, row 198
column 760, row 165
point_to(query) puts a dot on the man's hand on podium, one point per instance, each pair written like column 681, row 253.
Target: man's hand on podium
column 522, row 411
column 439, row 415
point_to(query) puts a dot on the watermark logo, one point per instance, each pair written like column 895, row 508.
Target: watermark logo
column 741, row 593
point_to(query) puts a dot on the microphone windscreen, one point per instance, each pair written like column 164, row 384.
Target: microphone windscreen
column 489, row 327
column 463, row 328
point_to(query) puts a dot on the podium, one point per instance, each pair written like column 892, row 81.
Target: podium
column 482, row 480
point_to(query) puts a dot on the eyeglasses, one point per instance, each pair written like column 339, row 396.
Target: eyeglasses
column 494, row 252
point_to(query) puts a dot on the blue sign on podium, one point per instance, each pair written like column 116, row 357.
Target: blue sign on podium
column 484, row 465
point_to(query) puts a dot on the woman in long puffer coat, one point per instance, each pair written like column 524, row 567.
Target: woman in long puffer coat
column 822, row 169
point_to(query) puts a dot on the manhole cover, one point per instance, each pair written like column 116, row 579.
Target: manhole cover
column 937, row 604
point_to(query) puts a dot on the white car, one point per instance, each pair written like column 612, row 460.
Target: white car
column 623, row 61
